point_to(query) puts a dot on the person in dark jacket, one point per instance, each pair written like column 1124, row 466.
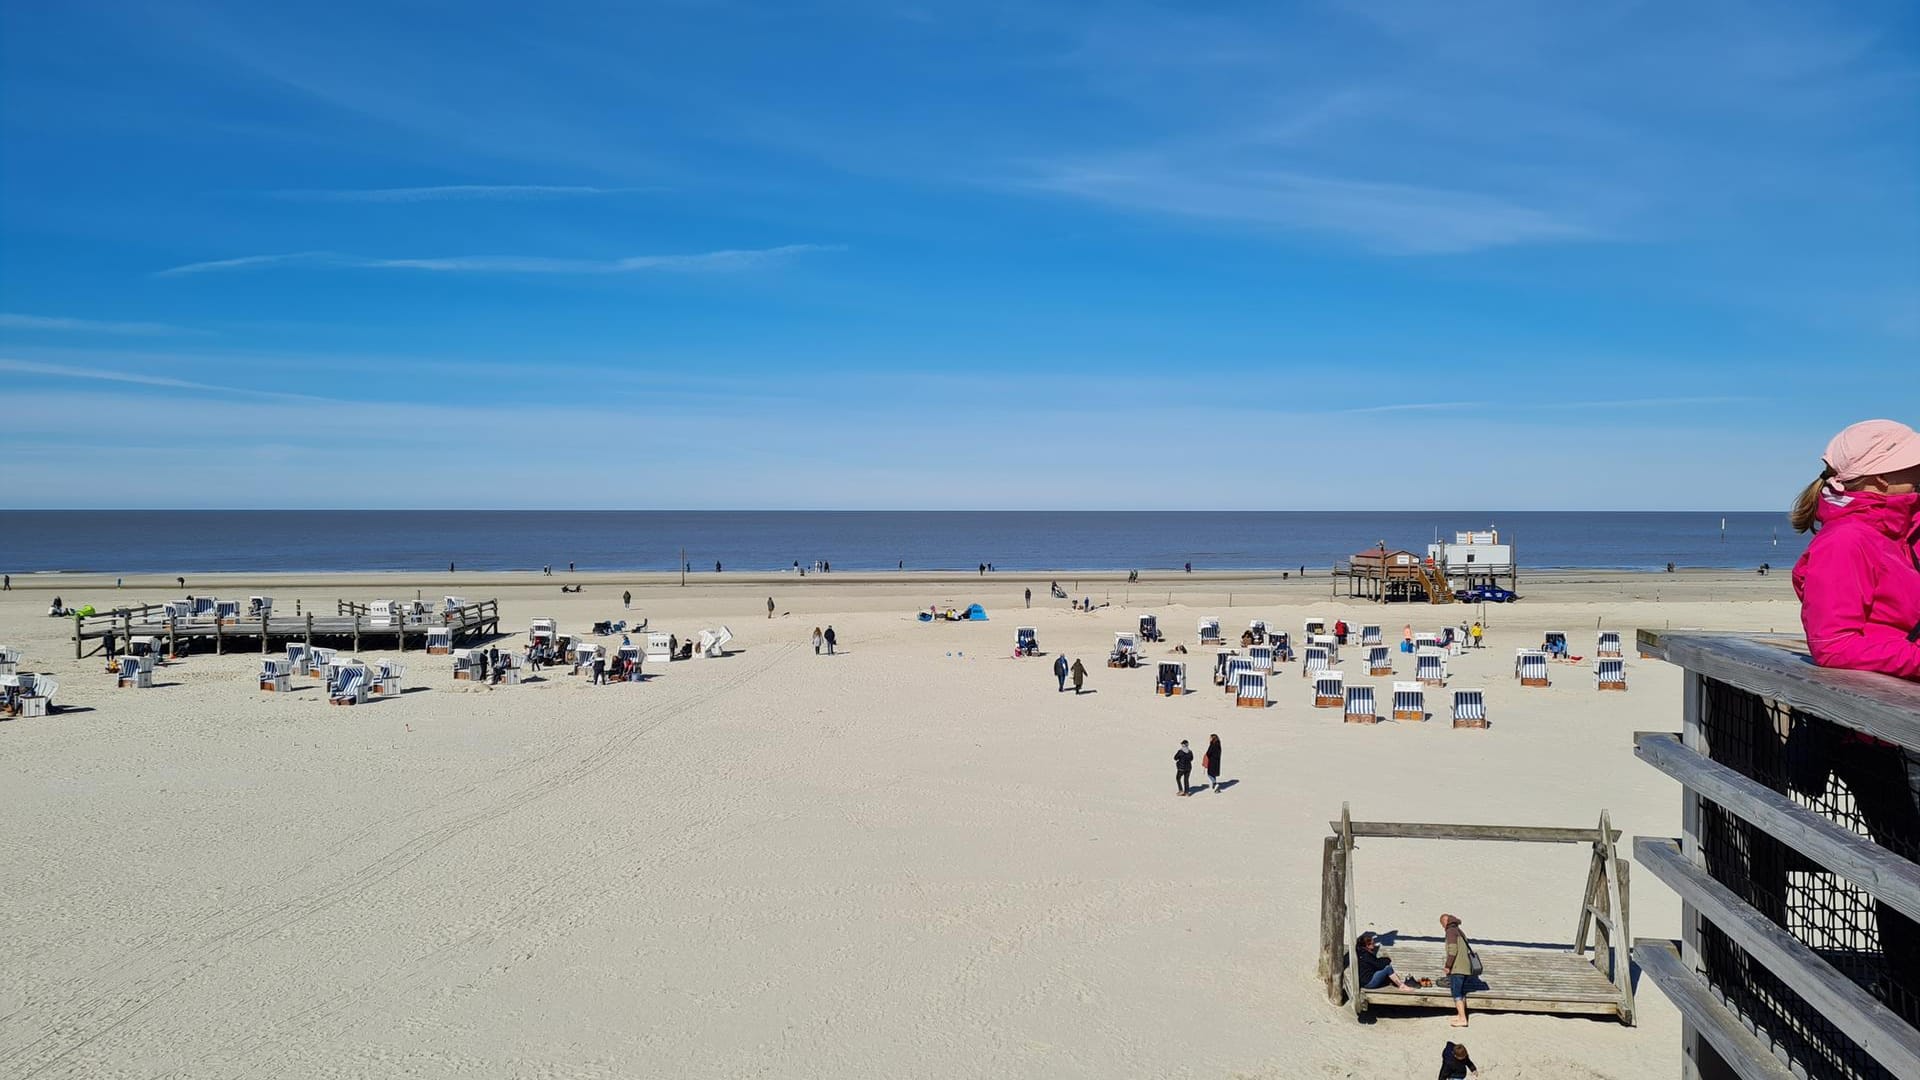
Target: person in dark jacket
column 1060, row 671
column 1079, row 672
column 626, row 598
column 1455, row 1064
column 1212, row 761
column 1376, row 971
column 1183, row 768
column 830, row 638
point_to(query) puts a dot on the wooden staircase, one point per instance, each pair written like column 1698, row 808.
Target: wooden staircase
column 1435, row 583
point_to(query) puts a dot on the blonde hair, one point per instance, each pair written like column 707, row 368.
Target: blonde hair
column 1805, row 515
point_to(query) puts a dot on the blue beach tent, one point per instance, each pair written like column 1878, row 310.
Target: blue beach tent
column 976, row 613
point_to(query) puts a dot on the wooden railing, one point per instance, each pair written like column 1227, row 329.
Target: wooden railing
column 1800, row 898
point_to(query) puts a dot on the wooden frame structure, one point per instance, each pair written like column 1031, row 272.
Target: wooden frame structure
column 114, row 631
column 1795, row 912
column 1592, row 977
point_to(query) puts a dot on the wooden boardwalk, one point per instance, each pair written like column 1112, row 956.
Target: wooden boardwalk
column 1517, row 978
column 112, row 632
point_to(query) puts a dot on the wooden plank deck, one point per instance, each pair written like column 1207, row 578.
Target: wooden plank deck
column 111, row 630
column 1517, row 978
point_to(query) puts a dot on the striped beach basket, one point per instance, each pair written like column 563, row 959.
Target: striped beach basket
column 1608, row 644
column 1470, row 708
column 1370, row 635
column 1531, row 667
column 1316, row 662
column 1409, row 701
column 1379, row 660
column 1235, row 667
column 1262, row 657
column 1360, row 706
column 275, row 676
column 1329, row 690
column 1430, row 667
column 1252, row 690
column 1609, row 673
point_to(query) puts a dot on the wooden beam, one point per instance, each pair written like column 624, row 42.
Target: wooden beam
column 1748, row 1056
column 1891, row 879
column 1843, row 1002
column 1535, row 834
column 1352, row 920
column 1779, row 669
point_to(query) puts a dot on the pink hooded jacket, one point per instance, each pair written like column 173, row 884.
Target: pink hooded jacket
column 1859, row 584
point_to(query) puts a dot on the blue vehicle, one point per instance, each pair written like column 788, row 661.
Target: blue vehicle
column 1486, row 594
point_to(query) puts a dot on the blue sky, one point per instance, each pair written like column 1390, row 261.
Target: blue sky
column 1323, row 255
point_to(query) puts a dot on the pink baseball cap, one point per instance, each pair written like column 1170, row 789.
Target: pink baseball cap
column 1873, row 448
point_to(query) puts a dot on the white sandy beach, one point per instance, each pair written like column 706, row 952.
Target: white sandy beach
column 912, row 859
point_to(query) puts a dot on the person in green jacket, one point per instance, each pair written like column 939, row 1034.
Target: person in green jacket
column 1459, row 965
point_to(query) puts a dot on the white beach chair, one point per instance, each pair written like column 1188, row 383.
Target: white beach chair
column 28, row 694
column 1329, row 690
column 1609, row 673
column 439, row 640
column 511, row 664
column 660, row 647
column 1379, row 660
column 320, row 664
column 1360, row 706
column 258, row 606
column 1262, row 657
column 131, row 677
column 713, row 643
column 1126, row 651
column 1531, row 666
column 347, row 685
column 1252, row 691
column 1470, row 708
column 1313, row 624
column 1316, row 661
column 296, row 658
column 227, row 611
column 466, row 666
column 1170, row 680
column 387, row 678
column 1409, row 701
column 9, row 660
column 1608, row 644
column 148, row 661
column 1235, row 666
column 583, row 657
column 1370, row 635
column 1430, row 667
column 1425, row 639
column 1327, row 642
column 1210, row 630
column 275, row 676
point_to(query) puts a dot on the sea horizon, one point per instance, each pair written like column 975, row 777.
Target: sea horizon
column 278, row 541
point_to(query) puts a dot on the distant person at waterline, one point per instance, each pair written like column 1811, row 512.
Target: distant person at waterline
column 769, row 607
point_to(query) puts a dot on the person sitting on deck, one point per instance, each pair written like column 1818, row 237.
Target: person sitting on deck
column 1376, row 970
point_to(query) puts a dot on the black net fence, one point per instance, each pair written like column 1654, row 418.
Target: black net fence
column 1856, row 782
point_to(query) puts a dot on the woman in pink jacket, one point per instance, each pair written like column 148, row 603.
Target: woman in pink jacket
column 1859, row 582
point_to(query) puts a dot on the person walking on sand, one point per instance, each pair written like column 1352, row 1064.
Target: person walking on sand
column 1079, row 672
column 769, row 607
column 1475, row 632
column 1459, row 967
column 8, row 587
column 626, row 598
column 817, row 639
column 1212, row 761
column 1029, row 594
column 1060, row 671
column 1183, row 768
column 830, row 639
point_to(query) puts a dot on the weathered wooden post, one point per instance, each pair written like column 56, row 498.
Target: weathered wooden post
column 173, row 641
column 309, row 633
column 1333, row 918
column 263, row 633
column 219, row 639
column 356, row 631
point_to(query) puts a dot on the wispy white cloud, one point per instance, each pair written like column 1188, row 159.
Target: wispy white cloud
column 138, row 378
column 17, row 321
column 701, row 262
column 450, row 193
column 1403, row 219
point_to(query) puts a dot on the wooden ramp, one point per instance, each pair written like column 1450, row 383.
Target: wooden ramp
column 1517, row 978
